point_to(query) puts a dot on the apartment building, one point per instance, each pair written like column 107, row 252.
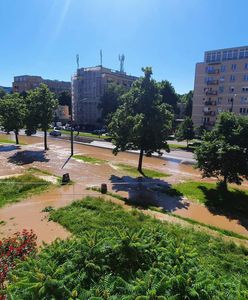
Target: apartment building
column 88, row 85
column 221, row 85
column 28, row 82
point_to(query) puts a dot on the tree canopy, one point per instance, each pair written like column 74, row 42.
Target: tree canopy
column 185, row 131
column 2, row 93
column 168, row 93
column 64, row 98
column 224, row 151
column 187, row 99
column 110, row 101
column 143, row 121
column 41, row 105
column 12, row 113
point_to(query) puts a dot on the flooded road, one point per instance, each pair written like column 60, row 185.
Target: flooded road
column 28, row 213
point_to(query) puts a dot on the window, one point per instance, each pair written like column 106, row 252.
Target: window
column 244, row 89
column 224, row 55
column 245, row 77
column 219, row 100
column 243, row 100
column 240, row 110
column 221, row 89
column 235, row 54
column 246, row 66
column 234, row 67
column 241, row 53
column 222, row 78
column 232, row 78
column 231, row 89
column 223, row 68
column 229, row 54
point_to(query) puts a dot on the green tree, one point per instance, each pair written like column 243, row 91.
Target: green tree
column 109, row 101
column 169, row 95
column 224, row 151
column 12, row 113
column 142, row 122
column 64, row 98
column 41, row 103
column 2, row 93
column 187, row 99
column 185, row 131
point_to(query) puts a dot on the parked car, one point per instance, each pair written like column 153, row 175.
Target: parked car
column 29, row 132
column 55, row 133
column 58, row 128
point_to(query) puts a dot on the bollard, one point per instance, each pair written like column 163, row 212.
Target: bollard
column 65, row 178
column 104, row 188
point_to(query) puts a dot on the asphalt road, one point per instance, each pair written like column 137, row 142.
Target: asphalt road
column 180, row 156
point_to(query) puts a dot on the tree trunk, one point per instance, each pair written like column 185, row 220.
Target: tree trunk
column 45, row 140
column 16, row 137
column 225, row 183
column 140, row 160
column 187, row 144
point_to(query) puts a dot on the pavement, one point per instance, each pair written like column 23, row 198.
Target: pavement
column 178, row 156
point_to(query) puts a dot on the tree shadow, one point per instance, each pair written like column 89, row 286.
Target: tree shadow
column 7, row 148
column 232, row 204
column 145, row 192
column 27, row 157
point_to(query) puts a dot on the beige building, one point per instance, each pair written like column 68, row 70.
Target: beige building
column 221, row 84
column 27, row 82
column 62, row 113
column 88, row 85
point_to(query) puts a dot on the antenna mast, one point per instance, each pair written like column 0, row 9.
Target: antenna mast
column 121, row 59
column 77, row 59
column 101, row 57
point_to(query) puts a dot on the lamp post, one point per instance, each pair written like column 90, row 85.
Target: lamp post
column 72, row 146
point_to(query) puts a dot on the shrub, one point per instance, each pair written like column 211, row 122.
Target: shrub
column 18, row 247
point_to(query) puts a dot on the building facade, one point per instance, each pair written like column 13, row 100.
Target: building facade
column 25, row 83
column 221, row 85
column 88, row 86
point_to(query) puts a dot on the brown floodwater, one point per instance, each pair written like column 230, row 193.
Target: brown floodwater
column 28, row 213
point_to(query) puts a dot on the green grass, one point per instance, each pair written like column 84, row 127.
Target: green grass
column 146, row 172
column 234, row 201
column 85, row 134
column 161, row 210
column 90, row 215
column 89, row 159
column 35, row 170
column 126, row 255
column 14, row 189
column 8, row 141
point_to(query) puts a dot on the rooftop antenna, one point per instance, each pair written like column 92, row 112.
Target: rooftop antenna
column 77, row 58
column 101, row 57
column 121, row 59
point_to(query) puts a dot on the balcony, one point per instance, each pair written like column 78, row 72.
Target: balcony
column 212, row 82
column 209, row 113
column 211, row 93
column 209, row 103
column 215, row 71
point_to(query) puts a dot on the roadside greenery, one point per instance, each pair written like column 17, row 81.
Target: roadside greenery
column 89, row 159
column 12, row 113
column 223, row 152
column 41, row 103
column 185, row 131
column 13, row 189
column 232, row 201
column 145, row 172
column 121, row 255
column 8, row 141
column 142, row 122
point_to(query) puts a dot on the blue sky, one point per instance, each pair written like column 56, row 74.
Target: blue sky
column 42, row 37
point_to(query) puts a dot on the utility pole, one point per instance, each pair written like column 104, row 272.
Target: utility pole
column 72, row 146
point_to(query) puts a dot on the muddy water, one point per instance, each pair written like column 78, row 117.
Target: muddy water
column 27, row 214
